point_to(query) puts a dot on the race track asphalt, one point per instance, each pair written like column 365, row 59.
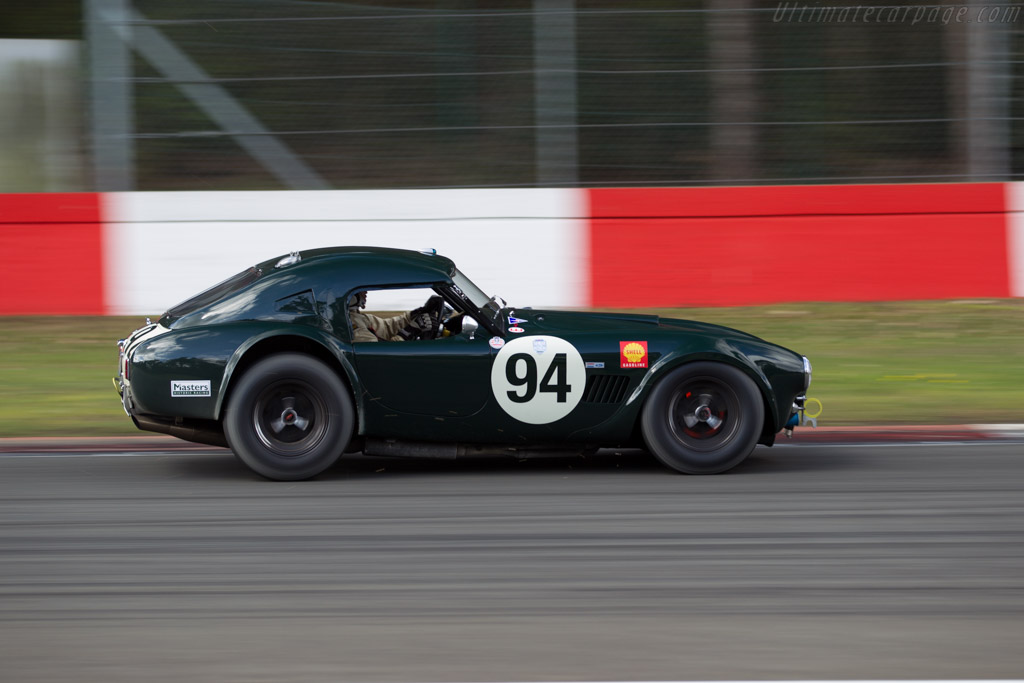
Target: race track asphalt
column 814, row 561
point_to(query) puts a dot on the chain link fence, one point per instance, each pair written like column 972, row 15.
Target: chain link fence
column 269, row 94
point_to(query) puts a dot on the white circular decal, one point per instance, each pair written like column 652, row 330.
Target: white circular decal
column 538, row 379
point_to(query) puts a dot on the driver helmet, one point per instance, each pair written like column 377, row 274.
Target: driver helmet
column 357, row 300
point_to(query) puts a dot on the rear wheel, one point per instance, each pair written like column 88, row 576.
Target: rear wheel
column 290, row 417
column 703, row 418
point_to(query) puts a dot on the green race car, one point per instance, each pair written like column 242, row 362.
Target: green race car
column 268, row 364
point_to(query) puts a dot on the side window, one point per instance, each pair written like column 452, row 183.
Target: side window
column 386, row 314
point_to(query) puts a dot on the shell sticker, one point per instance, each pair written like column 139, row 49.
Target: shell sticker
column 632, row 354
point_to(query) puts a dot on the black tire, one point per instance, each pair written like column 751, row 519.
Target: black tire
column 289, row 418
column 703, row 418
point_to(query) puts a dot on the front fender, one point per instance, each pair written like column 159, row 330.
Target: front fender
column 730, row 352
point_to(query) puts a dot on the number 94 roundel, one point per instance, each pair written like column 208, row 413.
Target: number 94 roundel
column 538, row 379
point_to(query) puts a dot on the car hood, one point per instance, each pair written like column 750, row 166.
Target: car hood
column 538, row 321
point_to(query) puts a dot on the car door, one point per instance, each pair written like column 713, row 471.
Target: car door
column 438, row 378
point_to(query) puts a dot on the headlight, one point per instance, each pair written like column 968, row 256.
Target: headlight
column 807, row 373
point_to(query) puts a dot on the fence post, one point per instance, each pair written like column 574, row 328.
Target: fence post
column 987, row 96
column 734, row 101
column 110, row 95
column 554, row 50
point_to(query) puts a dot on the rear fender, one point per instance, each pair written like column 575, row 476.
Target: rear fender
column 311, row 341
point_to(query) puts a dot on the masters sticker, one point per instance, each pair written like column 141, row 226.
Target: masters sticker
column 632, row 354
column 181, row 388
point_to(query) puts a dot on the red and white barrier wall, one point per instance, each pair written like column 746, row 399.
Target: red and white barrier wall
column 140, row 253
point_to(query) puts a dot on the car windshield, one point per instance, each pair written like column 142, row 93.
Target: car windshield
column 473, row 293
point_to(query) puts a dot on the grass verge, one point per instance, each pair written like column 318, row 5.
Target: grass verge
column 944, row 362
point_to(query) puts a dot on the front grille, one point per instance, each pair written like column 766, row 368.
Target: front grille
column 606, row 388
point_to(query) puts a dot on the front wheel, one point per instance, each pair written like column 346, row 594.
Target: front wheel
column 289, row 418
column 703, row 418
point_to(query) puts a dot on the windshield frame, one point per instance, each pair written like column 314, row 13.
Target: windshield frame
column 470, row 296
column 470, row 291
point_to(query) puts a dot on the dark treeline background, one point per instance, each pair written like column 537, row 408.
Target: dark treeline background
column 649, row 92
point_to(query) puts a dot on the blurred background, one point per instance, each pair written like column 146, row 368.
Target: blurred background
column 115, row 95
column 810, row 563
column 894, row 127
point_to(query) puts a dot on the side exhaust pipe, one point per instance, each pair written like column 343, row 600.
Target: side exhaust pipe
column 208, row 432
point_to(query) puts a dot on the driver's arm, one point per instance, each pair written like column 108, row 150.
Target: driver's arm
column 371, row 328
column 389, row 328
column 402, row 327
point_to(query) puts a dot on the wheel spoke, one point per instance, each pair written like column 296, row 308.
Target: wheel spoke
column 289, row 417
column 714, row 418
column 701, row 413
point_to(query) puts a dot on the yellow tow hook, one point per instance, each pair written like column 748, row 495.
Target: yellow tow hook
column 803, row 417
column 806, row 417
